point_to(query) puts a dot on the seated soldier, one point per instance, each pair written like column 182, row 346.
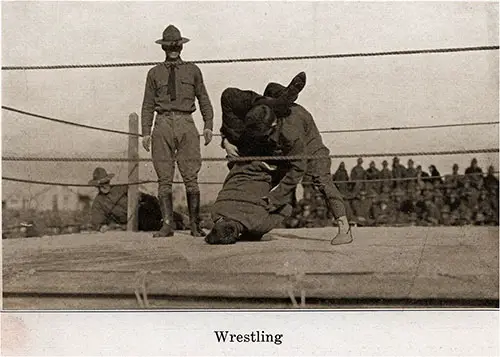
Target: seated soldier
column 445, row 216
column 321, row 218
column 430, row 213
column 362, row 210
column 484, row 210
column 383, row 212
column 109, row 208
column 400, row 217
column 305, row 216
column 465, row 214
column 438, row 199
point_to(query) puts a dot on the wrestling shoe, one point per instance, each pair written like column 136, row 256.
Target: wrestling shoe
column 344, row 236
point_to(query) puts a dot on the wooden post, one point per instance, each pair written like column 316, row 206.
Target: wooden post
column 133, row 173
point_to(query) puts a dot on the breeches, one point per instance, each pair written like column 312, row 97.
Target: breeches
column 322, row 179
column 176, row 138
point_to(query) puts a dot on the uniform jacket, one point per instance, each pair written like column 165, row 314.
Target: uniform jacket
column 358, row 173
column 241, row 196
column 189, row 85
column 288, row 140
column 110, row 208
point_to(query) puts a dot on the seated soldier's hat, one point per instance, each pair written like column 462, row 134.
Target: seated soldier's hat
column 100, row 176
column 398, row 193
column 362, row 193
column 383, row 198
column 447, row 185
column 438, row 193
column 172, row 36
column 304, row 202
column 445, row 209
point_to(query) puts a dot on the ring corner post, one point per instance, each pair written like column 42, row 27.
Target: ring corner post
column 133, row 173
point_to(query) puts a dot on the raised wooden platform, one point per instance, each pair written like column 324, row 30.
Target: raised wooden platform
column 408, row 263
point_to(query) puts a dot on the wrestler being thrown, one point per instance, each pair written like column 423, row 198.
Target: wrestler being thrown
column 245, row 208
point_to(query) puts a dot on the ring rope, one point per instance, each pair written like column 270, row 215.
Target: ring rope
column 391, row 179
column 252, row 158
column 262, row 59
column 67, row 122
column 215, row 134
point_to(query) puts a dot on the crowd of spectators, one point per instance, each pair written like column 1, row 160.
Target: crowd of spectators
column 404, row 196
column 399, row 196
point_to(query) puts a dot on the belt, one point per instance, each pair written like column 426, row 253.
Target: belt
column 167, row 112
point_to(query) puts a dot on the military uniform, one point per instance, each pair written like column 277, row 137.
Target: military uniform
column 111, row 208
column 372, row 174
column 411, row 172
column 170, row 91
column 341, row 175
column 175, row 135
column 296, row 133
column 474, row 172
column 383, row 212
column 400, row 217
column 241, row 198
column 386, row 175
column 358, row 173
column 430, row 214
column 445, row 216
column 321, row 217
column 398, row 172
column 362, row 210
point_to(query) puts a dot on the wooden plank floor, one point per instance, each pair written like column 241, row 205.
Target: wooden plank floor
column 381, row 263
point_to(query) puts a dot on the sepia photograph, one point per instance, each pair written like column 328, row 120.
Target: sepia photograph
column 249, row 155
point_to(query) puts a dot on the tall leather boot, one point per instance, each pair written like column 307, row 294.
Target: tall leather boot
column 167, row 211
column 193, row 201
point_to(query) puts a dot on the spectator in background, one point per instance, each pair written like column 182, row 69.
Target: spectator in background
column 341, row 175
column 358, row 173
column 398, row 172
column 383, row 212
column 321, row 216
column 454, row 179
column 435, row 175
column 422, row 177
column 362, row 210
column 385, row 175
column 485, row 212
column 411, row 172
column 430, row 213
column 445, row 217
column 372, row 174
column 438, row 199
column 400, row 217
column 490, row 181
column 474, row 172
